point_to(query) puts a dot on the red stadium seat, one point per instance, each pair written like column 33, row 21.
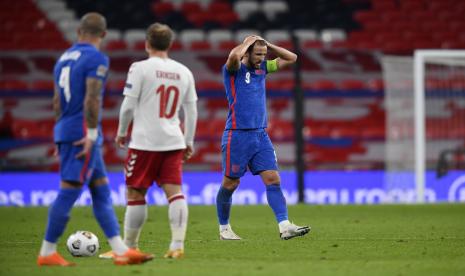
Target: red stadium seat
column 139, row 45
column 13, row 85
column 217, row 7
column 213, row 104
column 177, row 45
column 209, row 85
column 227, row 45
column 25, row 129
column 190, row 8
column 352, row 84
column 44, row 63
column 401, row 48
column 312, row 44
column 121, row 64
column 346, row 44
column 162, row 8
column 287, row 44
column 109, row 128
column 321, row 85
column 13, row 66
column 199, row 19
column 375, row 84
column 42, row 85
column 115, row 85
column 200, row 45
column 225, row 19
column 384, row 5
column 115, row 45
column 280, row 129
column 412, row 6
column 363, row 17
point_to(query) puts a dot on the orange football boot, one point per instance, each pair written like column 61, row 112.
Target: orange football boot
column 53, row 260
column 132, row 256
column 174, row 254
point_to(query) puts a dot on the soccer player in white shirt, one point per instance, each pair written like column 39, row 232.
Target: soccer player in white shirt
column 155, row 90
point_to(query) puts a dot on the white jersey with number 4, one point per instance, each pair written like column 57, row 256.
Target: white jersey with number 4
column 161, row 86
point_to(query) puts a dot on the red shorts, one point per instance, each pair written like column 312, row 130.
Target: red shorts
column 144, row 167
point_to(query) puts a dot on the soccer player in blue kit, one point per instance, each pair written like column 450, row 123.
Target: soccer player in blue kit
column 80, row 75
column 245, row 142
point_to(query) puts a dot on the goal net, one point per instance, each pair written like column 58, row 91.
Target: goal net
column 425, row 117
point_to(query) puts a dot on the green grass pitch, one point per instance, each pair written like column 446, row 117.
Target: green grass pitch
column 345, row 240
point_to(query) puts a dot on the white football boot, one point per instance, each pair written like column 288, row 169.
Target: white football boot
column 291, row 231
column 226, row 233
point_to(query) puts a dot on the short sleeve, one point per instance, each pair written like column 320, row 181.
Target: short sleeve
column 226, row 72
column 133, row 83
column 98, row 66
column 191, row 95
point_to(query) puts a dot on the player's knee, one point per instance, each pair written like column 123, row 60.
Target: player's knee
column 230, row 183
column 99, row 182
column 135, row 194
column 171, row 189
column 272, row 178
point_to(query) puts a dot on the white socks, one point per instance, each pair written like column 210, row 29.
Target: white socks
column 177, row 214
column 47, row 248
column 136, row 215
column 225, row 227
column 282, row 225
column 117, row 245
column 134, row 219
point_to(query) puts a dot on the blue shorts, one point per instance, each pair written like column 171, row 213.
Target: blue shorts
column 247, row 148
column 84, row 169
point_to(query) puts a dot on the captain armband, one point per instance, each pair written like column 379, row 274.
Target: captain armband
column 272, row 65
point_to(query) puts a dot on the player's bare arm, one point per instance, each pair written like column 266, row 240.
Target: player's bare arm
column 92, row 103
column 234, row 59
column 285, row 57
column 56, row 103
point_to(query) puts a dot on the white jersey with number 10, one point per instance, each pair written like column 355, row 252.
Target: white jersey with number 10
column 161, row 87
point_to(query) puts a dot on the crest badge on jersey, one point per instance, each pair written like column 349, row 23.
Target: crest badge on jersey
column 102, row 70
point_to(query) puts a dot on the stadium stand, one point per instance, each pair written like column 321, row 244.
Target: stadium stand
column 341, row 43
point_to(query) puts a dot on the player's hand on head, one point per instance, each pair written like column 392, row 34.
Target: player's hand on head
column 121, row 141
column 188, row 152
column 250, row 39
column 86, row 144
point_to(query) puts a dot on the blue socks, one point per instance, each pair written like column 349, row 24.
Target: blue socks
column 277, row 201
column 58, row 214
column 103, row 210
column 223, row 205
column 274, row 196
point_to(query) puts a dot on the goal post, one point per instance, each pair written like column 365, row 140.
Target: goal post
column 422, row 96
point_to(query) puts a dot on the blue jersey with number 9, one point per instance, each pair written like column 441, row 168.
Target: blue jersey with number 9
column 78, row 63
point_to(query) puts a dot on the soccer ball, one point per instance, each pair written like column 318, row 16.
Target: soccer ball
column 83, row 244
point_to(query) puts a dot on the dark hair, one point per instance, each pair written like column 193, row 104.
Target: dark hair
column 159, row 36
column 258, row 43
column 93, row 24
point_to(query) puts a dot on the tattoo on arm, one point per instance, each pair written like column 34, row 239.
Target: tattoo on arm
column 56, row 103
column 92, row 101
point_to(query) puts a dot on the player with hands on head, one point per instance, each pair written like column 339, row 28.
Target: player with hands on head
column 245, row 143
